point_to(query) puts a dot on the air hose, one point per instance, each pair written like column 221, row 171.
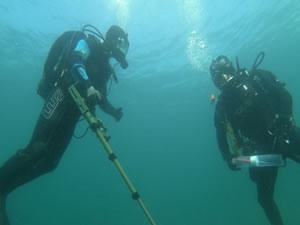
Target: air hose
column 259, row 57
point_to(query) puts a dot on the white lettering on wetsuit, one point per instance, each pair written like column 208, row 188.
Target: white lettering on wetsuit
column 52, row 103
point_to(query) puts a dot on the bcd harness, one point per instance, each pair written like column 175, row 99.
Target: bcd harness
column 250, row 87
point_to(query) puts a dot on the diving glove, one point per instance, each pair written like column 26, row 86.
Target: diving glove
column 93, row 96
column 231, row 165
column 118, row 114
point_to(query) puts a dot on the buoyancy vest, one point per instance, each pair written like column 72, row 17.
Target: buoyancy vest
column 252, row 102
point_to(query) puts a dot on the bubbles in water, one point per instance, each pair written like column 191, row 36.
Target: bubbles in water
column 197, row 51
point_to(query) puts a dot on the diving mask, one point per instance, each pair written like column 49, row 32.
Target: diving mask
column 122, row 45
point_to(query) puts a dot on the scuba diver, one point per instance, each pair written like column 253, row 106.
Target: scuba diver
column 254, row 116
column 80, row 57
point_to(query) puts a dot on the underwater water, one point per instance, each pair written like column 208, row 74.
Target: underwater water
column 166, row 140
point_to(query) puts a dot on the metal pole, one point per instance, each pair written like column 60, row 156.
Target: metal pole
column 98, row 128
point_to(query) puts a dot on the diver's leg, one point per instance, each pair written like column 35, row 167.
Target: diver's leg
column 3, row 216
column 265, row 179
column 51, row 137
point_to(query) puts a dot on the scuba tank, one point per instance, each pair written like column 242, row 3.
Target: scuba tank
column 57, row 61
column 59, row 56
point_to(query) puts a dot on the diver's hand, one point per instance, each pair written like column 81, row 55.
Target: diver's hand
column 118, row 114
column 231, row 165
column 93, row 96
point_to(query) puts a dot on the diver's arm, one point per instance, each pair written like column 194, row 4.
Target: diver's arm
column 224, row 148
column 222, row 139
column 78, row 59
column 108, row 108
column 221, row 132
column 220, row 124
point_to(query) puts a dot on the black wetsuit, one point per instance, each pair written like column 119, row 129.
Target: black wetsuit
column 57, row 121
column 259, row 110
